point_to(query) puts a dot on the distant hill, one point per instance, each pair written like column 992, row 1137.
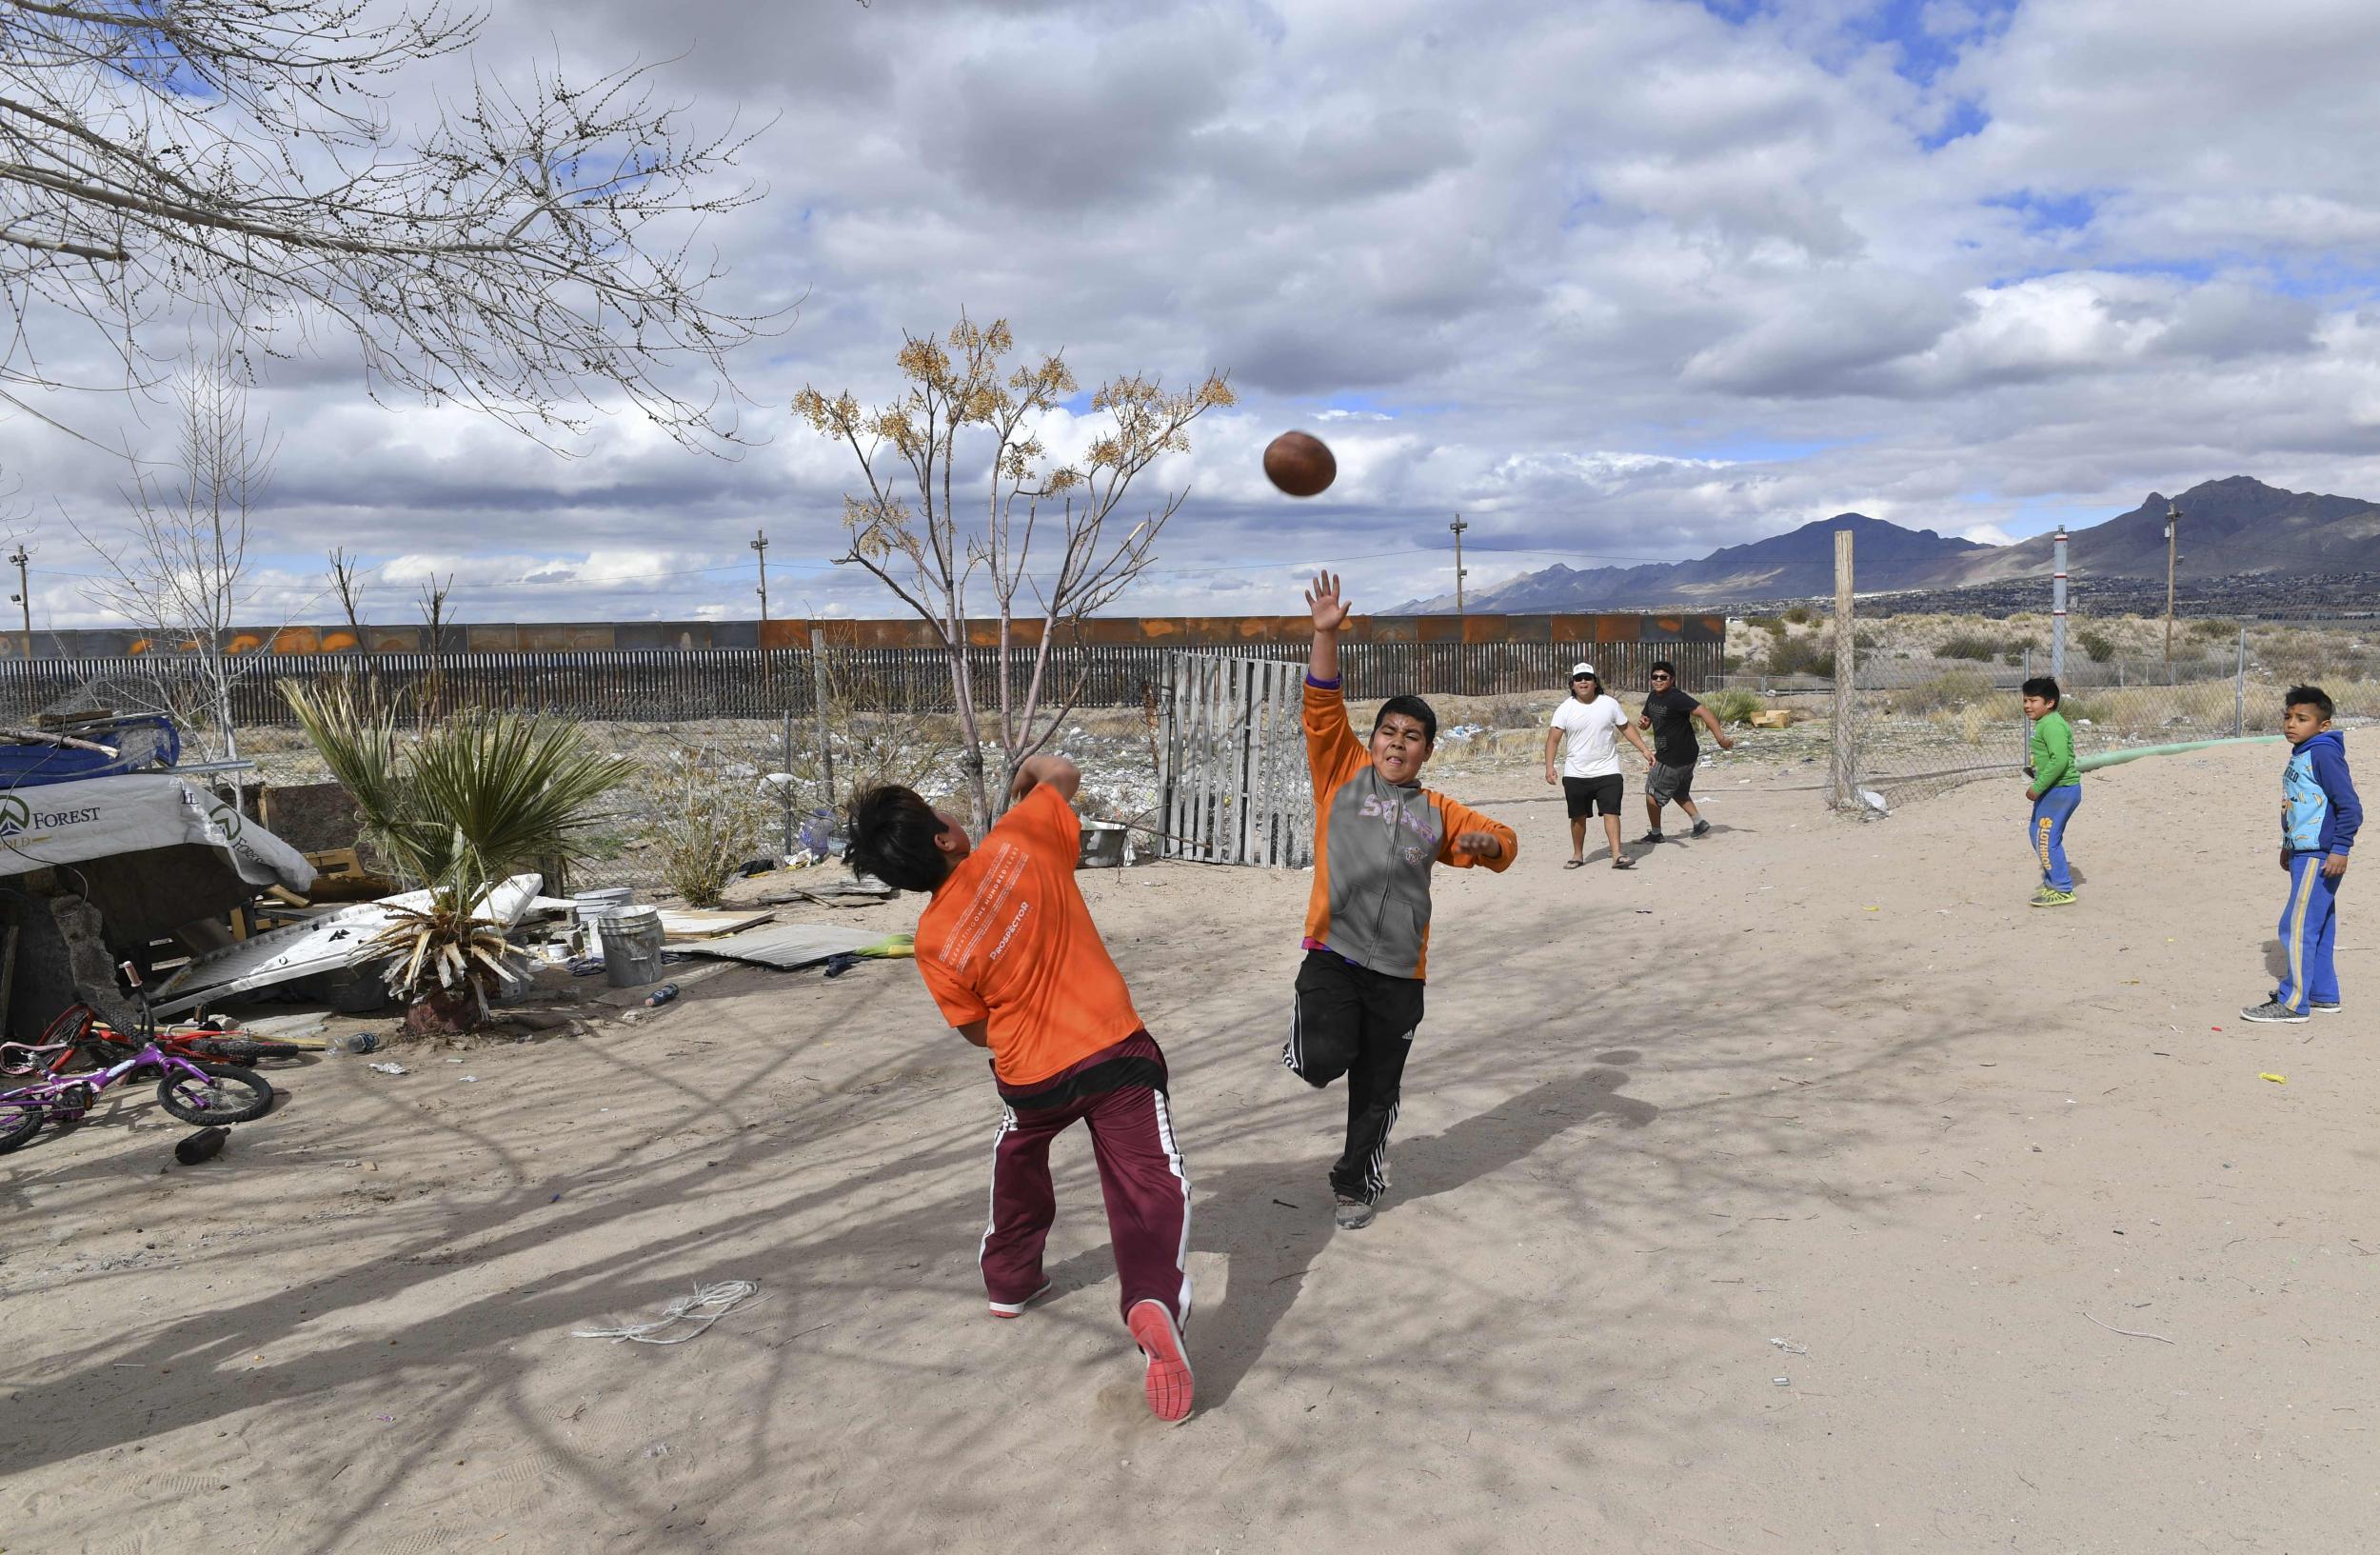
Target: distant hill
column 1781, row 566
column 2230, row 528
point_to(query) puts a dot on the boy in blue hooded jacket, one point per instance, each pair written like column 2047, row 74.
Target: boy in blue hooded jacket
column 2319, row 815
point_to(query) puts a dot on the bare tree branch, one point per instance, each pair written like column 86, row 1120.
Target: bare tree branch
column 529, row 254
column 183, row 575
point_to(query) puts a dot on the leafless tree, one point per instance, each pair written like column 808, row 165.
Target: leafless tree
column 909, row 531
column 346, row 581
column 433, row 608
column 528, row 253
column 183, row 575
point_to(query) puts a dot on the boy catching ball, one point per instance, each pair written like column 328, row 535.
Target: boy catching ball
column 1008, row 951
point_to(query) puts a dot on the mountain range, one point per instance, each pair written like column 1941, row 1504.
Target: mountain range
column 2230, row 528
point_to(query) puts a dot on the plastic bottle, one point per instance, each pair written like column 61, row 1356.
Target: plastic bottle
column 661, row 995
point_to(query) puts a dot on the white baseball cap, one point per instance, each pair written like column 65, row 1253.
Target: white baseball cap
column 1582, row 669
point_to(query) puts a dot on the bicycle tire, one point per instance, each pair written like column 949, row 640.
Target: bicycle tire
column 191, row 1109
column 19, row 1122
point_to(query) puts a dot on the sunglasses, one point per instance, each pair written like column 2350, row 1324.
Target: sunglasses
column 1657, row 675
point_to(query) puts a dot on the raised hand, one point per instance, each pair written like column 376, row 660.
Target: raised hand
column 1330, row 612
column 1480, row 844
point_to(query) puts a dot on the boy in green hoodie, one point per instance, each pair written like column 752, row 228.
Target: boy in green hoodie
column 2054, row 786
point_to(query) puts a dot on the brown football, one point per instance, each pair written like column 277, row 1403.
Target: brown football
column 1300, row 464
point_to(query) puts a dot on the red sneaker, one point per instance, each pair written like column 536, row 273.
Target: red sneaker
column 1010, row 1310
column 1168, row 1381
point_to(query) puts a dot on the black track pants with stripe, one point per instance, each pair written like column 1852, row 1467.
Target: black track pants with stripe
column 1350, row 1021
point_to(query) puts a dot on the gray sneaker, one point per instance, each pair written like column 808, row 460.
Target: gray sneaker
column 2331, row 1008
column 2273, row 1009
column 1354, row 1214
column 1702, row 829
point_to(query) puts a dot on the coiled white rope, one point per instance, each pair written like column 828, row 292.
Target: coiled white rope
column 706, row 1305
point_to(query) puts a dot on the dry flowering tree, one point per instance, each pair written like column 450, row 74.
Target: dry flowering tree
column 526, row 253
column 1041, row 537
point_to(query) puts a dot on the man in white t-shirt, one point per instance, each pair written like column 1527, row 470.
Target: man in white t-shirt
column 1593, row 723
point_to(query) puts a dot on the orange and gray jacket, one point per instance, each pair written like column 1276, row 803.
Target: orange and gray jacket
column 1374, row 843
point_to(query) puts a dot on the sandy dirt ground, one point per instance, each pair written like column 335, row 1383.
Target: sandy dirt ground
column 1785, row 1195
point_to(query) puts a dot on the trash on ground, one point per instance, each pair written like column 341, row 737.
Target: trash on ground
column 789, row 946
column 2278, row 1080
column 662, row 995
column 202, row 1146
column 705, row 1305
column 390, row 1066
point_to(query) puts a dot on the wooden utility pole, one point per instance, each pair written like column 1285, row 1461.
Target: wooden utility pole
column 1458, row 526
column 25, row 598
column 2173, row 523
column 1462, row 652
column 1844, row 777
column 760, row 549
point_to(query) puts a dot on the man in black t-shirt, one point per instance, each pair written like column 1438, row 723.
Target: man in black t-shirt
column 1670, row 713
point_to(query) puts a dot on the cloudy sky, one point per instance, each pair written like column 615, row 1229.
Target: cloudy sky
column 1617, row 280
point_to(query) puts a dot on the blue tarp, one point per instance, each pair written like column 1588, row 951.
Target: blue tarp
column 140, row 743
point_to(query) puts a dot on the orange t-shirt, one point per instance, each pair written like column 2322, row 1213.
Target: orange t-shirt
column 1008, row 940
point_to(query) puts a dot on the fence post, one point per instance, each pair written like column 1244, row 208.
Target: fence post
column 2240, row 689
column 1846, row 767
column 818, row 708
column 2024, row 724
column 785, row 788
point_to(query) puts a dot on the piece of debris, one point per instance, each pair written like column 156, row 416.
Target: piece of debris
column 388, row 1067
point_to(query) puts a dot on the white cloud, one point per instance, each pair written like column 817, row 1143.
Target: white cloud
column 1612, row 279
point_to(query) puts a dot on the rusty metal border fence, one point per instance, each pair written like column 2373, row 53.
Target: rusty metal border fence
column 674, row 685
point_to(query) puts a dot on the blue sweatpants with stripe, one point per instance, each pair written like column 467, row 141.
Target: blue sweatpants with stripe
column 2046, row 832
column 2309, row 925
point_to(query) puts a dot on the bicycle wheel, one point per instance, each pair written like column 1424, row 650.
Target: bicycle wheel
column 20, row 1120
column 226, row 1095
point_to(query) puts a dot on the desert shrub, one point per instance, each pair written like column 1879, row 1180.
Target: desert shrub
column 1799, row 615
column 1968, row 645
column 709, row 815
column 1960, row 688
column 2012, row 655
column 1772, row 624
column 2097, row 645
column 1732, row 706
column 2214, row 629
column 1801, row 656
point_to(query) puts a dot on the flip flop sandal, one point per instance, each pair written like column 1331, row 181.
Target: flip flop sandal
column 1574, row 864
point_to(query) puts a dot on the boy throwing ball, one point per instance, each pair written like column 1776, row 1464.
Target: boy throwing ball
column 1008, row 951
column 1376, row 832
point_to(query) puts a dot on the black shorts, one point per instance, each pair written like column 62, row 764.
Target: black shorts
column 1588, row 796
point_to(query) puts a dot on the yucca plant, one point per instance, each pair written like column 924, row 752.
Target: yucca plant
column 442, row 958
column 454, row 810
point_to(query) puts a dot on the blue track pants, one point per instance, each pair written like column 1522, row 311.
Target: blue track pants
column 2309, row 933
column 2046, row 832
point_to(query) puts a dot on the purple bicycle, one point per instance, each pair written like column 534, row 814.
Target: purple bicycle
column 201, row 1094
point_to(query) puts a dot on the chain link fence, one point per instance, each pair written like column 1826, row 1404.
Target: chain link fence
column 1937, row 702
column 770, row 739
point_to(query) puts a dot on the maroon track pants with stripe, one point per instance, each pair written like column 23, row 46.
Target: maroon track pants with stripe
column 1119, row 1092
